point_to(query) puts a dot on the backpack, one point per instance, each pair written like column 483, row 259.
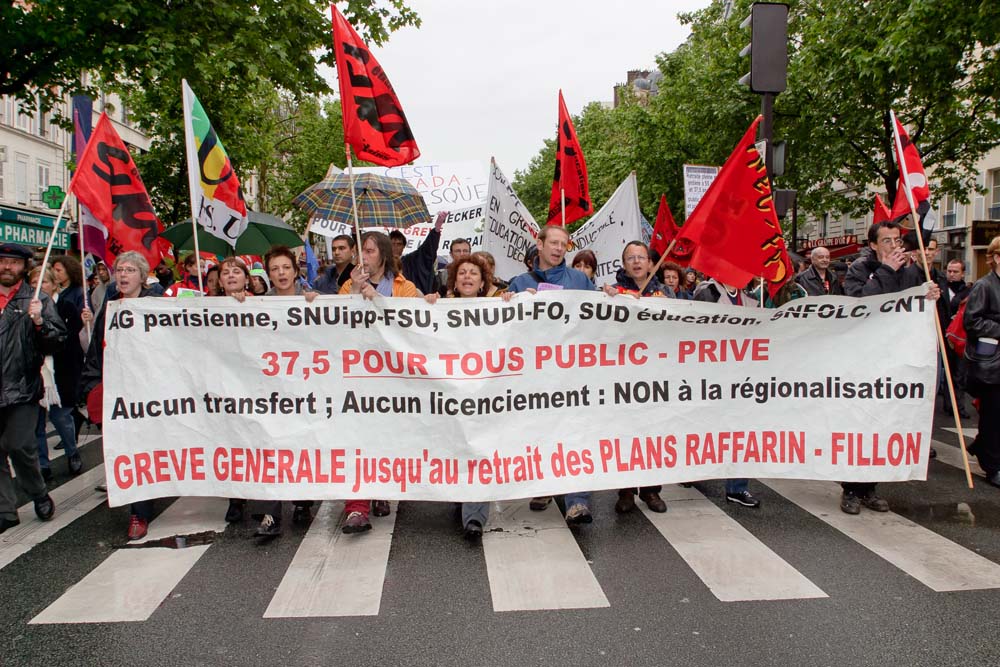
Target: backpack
column 955, row 333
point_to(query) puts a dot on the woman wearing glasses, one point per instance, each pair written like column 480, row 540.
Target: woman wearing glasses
column 130, row 271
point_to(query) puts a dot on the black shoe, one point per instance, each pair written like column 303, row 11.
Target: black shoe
column 47, row 474
column 8, row 523
column 381, row 508
column 235, row 512
column 933, row 453
column 994, row 479
column 75, row 464
column 473, row 532
column 44, row 507
column 269, row 527
column 59, row 446
column 850, row 503
column 300, row 515
column 744, row 498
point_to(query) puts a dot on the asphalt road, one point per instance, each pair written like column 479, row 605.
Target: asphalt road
column 435, row 604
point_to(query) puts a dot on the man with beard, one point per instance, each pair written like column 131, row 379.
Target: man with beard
column 29, row 329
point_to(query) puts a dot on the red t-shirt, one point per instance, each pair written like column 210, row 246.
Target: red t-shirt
column 5, row 298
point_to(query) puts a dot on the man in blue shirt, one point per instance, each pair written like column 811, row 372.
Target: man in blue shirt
column 549, row 271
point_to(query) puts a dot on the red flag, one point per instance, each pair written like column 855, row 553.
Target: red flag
column 374, row 123
column 733, row 234
column 665, row 228
column 911, row 175
column 881, row 211
column 107, row 183
column 571, row 174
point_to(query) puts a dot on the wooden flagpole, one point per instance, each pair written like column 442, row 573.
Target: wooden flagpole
column 918, row 230
column 354, row 200
column 48, row 249
column 562, row 199
column 642, row 287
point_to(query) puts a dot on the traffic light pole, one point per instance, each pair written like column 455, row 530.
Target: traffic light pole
column 767, row 132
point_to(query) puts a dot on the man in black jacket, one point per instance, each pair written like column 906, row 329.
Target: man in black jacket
column 29, row 329
column 819, row 279
column 420, row 266
column 882, row 268
column 953, row 292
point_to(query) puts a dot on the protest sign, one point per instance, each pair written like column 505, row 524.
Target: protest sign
column 509, row 229
column 606, row 233
column 445, row 186
column 481, row 399
column 697, row 178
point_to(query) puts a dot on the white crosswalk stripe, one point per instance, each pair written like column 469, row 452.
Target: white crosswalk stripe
column 530, row 558
column 334, row 574
column 72, row 499
column 734, row 564
column 953, row 457
column 935, row 561
column 131, row 583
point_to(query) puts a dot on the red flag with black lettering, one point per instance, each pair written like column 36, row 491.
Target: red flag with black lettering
column 664, row 230
column 374, row 123
column 570, row 178
column 881, row 211
column 733, row 234
column 107, row 183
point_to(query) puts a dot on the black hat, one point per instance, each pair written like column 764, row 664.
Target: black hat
column 16, row 251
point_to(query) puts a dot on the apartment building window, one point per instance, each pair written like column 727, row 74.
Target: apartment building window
column 21, row 179
column 43, row 178
column 948, row 215
column 3, row 164
column 24, row 118
column 994, row 194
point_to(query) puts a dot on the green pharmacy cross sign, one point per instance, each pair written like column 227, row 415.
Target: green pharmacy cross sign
column 53, row 196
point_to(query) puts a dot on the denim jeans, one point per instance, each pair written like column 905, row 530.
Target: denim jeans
column 578, row 498
column 62, row 418
column 737, row 485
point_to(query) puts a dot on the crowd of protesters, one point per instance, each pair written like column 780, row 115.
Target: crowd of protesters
column 54, row 345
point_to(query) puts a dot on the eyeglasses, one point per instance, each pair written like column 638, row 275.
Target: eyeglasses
column 637, row 258
column 126, row 270
column 894, row 242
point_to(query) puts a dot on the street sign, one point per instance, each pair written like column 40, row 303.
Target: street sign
column 31, row 236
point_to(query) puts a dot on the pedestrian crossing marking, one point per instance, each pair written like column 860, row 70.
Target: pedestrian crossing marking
column 534, row 562
column 333, row 574
column 72, row 499
column 130, row 584
column 734, row 564
column 931, row 559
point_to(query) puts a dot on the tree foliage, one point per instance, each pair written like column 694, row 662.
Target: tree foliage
column 243, row 60
column 935, row 62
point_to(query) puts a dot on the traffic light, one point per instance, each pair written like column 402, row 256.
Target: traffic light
column 768, row 47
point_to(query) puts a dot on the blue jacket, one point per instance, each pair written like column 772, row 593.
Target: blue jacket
column 557, row 275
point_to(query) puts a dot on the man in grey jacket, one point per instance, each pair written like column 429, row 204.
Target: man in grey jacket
column 30, row 328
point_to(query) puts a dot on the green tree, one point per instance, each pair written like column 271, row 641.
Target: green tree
column 241, row 59
column 935, row 62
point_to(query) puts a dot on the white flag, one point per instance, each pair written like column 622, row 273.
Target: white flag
column 608, row 230
column 509, row 230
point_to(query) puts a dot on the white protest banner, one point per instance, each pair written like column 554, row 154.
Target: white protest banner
column 509, row 229
column 463, row 224
column 481, row 399
column 445, row 186
column 697, row 178
column 606, row 233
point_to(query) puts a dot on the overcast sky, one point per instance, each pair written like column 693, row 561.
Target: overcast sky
column 481, row 79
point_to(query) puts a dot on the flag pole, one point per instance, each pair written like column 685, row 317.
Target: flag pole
column 354, row 199
column 642, row 287
column 189, row 147
column 918, row 230
column 83, row 268
column 562, row 199
column 762, row 291
column 48, row 249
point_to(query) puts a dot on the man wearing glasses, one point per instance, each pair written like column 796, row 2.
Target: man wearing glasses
column 882, row 268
